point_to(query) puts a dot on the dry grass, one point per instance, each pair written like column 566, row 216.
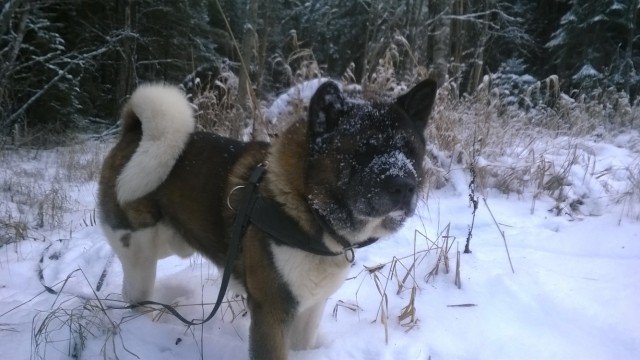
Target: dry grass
column 80, row 163
column 36, row 186
column 66, row 328
column 71, row 321
column 304, row 66
column 44, row 136
column 217, row 107
column 401, row 279
column 12, row 229
column 52, row 206
column 630, row 198
column 516, row 151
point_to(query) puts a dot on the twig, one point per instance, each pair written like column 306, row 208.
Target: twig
column 103, row 275
column 346, row 305
column 473, row 199
column 501, row 233
column 457, row 281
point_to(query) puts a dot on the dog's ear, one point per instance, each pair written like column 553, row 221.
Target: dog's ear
column 418, row 102
column 324, row 109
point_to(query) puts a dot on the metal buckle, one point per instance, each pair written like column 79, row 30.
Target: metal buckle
column 349, row 254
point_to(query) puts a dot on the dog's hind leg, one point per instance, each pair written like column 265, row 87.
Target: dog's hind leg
column 303, row 332
column 137, row 252
column 169, row 242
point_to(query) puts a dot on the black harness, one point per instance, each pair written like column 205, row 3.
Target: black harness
column 268, row 216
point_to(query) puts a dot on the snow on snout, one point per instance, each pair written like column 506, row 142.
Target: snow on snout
column 395, row 163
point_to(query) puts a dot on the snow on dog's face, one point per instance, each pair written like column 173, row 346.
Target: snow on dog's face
column 365, row 161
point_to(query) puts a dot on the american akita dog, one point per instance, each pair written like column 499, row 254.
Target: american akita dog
column 345, row 175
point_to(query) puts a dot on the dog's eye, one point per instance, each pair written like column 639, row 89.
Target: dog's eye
column 362, row 158
column 408, row 144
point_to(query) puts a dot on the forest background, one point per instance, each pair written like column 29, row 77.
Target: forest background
column 69, row 64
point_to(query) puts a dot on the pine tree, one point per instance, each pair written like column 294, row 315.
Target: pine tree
column 590, row 43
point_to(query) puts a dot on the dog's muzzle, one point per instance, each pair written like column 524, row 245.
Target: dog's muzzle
column 401, row 192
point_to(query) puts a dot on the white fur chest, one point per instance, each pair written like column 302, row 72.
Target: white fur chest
column 311, row 278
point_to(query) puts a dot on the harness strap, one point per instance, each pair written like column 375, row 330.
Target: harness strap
column 268, row 215
column 347, row 246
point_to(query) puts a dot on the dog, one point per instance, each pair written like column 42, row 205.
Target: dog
column 343, row 176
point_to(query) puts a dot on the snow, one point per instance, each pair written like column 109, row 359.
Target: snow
column 574, row 293
column 392, row 164
column 596, row 19
column 618, row 5
column 284, row 105
column 587, row 72
column 302, row 92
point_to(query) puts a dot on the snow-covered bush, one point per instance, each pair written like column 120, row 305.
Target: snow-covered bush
column 512, row 82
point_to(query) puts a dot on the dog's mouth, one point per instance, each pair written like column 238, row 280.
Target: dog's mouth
column 399, row 215
column 391, row 221
column 382, row 203
column 394, row 220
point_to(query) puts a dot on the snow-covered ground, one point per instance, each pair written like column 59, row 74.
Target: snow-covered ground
column 574, row 294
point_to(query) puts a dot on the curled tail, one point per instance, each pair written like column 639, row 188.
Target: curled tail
column 167, row 121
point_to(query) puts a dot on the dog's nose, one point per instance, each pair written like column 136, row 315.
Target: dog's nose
column 401, row 191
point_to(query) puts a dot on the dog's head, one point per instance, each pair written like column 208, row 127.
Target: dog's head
column 365, row 163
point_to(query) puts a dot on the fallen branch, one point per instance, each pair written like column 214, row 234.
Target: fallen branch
column 462, row 305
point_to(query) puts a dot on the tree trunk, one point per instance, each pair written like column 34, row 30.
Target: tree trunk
column 478, row 59
column 246, row 97
column 457, row 42
column 628, row 61
column 124, row 81
column 268, row 23
column 7, row 118
column 6, row 13
column 244, row 82
column 362, row 70
column 16, row 44
column 442, row 42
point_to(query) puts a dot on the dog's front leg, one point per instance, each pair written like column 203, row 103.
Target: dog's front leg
column 304, row 329
column 271, row 303
column 268, row 334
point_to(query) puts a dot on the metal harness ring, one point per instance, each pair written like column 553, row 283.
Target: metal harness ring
column 231, row 192
column 349, row 254
column 263, row 164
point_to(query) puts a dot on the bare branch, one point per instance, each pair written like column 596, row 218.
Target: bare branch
column 8, row 10
column 13, row 119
